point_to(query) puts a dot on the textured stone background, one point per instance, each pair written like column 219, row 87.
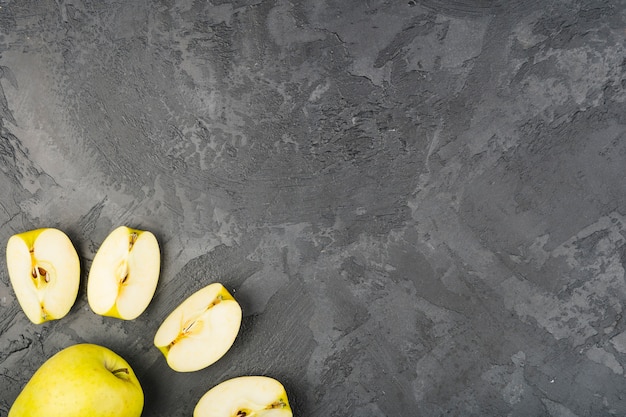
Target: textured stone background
column 420, row 205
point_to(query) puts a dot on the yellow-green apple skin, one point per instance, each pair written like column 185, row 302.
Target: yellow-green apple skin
column 83, row 380
column 124, row 273
column 200, row 330
column 44, row 270
column 245, row 396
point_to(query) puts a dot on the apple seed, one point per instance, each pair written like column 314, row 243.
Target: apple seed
column 39, row 272
column 43, row 273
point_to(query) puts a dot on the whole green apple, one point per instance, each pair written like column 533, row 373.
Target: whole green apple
column 83, row 380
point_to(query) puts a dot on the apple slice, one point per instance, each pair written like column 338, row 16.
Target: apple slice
column 45, row 273
column 200, row 330
column 245, row 396
column 124, row 273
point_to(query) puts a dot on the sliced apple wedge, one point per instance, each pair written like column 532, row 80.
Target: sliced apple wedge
column 200, row 330
column 44, row 270
column 124, row 274
column 245, row 396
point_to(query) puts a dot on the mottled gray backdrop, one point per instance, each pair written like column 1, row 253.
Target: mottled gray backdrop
column 420, row 204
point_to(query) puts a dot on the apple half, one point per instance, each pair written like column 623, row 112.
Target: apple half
column 245, row 396
column 200, row 330
column 124, row 273
column 44, row 270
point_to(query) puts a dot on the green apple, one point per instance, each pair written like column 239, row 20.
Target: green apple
column 44, row 270
column 200, row 330
column 245, row 396
column 83, row 380
column 124, row 273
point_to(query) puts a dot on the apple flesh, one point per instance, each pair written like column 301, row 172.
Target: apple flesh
column 200, row 330
column 124, row 273
column 44, row 270
column 81, row 380
column 245, row 396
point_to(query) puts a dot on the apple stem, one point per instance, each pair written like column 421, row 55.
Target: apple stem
column 277, row 404
column 215, row 302
column 44, row 313
column 117, row 371
column 132, row 240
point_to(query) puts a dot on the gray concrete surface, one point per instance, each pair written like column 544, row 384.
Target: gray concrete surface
column 420, row 205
